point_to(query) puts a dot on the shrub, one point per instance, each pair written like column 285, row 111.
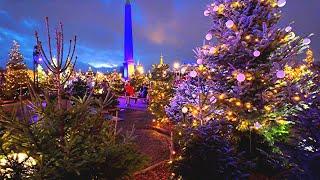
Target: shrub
column 209, row 154
column 65, row 143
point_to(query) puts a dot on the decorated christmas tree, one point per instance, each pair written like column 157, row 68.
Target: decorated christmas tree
column 138, row 78
column 16, row 76
column 161, row 90
column 256, row 82
column 193, row 97
column 116, row 83
column 42, row 76
column 254, row 65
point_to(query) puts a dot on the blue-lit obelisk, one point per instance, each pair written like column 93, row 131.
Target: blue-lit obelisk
column 128, row 65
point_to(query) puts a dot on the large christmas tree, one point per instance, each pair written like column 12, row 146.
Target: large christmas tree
column 16, row 76
column 258, row 82
column 161, row 90
column 253, row 64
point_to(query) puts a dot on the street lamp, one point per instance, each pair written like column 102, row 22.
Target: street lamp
column 176, row 65
column 36, row 60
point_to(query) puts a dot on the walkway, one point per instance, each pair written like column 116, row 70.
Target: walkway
column 149, row 142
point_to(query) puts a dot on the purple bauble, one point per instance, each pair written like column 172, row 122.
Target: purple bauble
column 241, row 77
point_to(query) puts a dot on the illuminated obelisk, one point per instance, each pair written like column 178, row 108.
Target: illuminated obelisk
column 128, row 65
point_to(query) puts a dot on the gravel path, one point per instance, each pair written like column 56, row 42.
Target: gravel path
column 149, row 142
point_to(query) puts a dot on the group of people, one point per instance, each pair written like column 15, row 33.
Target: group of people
column 130, row 92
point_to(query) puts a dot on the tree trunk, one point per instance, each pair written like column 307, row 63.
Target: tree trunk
column 58, row 85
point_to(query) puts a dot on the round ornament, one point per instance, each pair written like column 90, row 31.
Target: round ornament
column 241, row 77
column 282, row 3
column 209, row 36
column 306, row 41
column 206, row 13
column 281, row 74
column 229, row 24
column 193, row 74
column 256, row 53
column 194, row 95
column 199, row 61
column 288, row 29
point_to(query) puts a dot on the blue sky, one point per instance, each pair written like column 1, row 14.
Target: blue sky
column 171, row 27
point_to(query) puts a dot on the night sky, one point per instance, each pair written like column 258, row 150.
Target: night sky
column 173, row 27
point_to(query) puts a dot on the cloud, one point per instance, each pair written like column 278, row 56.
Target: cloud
column 103, row 65
column 30, row 23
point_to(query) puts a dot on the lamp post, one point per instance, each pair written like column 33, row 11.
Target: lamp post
column 36, row 60
column 176, row 67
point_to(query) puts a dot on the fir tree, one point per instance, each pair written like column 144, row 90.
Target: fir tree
column 138, row 79
column 252, row 65
column 116, row 83
column 195, row 96
column 16, row 76
column 161, row 90
column 42, row 76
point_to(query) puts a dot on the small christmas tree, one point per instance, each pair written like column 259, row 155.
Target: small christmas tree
column 138, row 79
column 116, row 83
column 42, row 76
column 16, row 76
column 193, row 97
column 161, row 90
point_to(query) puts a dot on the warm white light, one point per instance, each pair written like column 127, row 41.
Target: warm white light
column 183, row 70
column 184, row 110
column 176, row 65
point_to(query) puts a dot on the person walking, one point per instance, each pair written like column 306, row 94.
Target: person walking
column 129, row 92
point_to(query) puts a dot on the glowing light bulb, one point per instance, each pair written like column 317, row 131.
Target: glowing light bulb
column 257, row 125
column 184, row 110
column 296, row 98
column 213, row 50
column 176, row 65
